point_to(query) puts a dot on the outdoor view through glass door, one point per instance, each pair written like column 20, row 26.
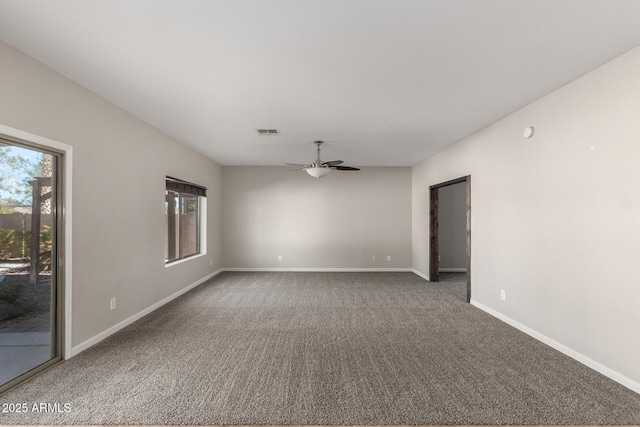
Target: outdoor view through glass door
column 29, row 325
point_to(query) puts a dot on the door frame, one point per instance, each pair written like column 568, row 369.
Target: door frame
column 434, row 250
column 64, row 238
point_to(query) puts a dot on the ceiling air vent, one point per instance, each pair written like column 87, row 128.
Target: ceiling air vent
column 268, row 132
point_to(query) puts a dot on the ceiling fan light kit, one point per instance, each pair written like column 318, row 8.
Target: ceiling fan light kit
column 319, row 168
column 317, row 171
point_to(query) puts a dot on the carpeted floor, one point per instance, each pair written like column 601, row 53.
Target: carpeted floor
column 323, row 349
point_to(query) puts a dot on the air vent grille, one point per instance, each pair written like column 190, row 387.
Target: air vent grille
column 268, row 132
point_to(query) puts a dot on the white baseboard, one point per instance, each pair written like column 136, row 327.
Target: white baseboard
column 596, row 366
column 452, row 270
column 112, row 330
column 417, row 273
column 330, row 269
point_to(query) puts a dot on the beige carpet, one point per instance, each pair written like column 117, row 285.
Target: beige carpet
column 323, row 349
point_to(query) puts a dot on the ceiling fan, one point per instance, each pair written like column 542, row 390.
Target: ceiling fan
column 319, row 168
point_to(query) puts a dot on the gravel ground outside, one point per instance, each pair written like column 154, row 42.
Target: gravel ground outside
column 19, row 300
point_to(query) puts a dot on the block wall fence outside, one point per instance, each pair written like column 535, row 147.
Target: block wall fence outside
column 20, row 221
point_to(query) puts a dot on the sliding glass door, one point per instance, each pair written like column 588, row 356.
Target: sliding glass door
column 29, row 287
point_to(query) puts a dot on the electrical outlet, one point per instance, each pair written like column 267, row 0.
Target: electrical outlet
column 373, row 258
column 388, row 257
column 279, row 257
column 439, row 258
column 113, row 304
column 211, row 261
column 503, row 295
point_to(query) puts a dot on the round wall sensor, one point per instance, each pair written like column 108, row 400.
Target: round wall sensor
column 528, row 132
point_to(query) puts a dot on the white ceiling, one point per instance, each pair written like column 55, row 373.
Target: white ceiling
column 384, row 83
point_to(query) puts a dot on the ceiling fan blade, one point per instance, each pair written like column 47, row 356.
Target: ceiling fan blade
column 320, row 168
column 333, row 162
column 344, row 168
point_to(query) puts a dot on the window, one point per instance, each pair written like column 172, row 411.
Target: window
column 184, row 219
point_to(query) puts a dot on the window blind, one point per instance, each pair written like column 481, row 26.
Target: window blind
column 180, row 186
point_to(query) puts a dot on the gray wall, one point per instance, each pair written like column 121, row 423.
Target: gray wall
column 119, row 166
column 555, row 218
column 338, row 221
column 452, row 232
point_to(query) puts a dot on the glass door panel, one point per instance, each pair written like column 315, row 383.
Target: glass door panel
column 28, row 260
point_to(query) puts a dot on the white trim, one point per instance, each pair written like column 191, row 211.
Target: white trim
column 180, row 261
column 68, row 252
column 452, row 270
column 202, row 217
column 418, row 273
column 320, row 269
column 599, row 367
column 67, row 151
column 112, row 330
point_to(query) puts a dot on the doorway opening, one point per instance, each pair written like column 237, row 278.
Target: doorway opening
column 457, row 256
column 31, row 283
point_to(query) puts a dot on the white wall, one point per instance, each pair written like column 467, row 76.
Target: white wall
column 338, row 221
column 119, row 166
column 452, row 227
column 556, row 218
